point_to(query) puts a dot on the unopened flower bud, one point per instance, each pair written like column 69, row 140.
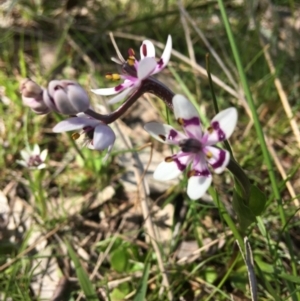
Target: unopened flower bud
column 32, row 96
column 66, row 97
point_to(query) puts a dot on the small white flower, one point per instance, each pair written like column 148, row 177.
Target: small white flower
column 196, row 145
column 137, row 71
column 33, row 159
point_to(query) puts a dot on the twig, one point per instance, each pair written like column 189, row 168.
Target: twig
column 282, row 95
column 209, row 46
column 248, row 258
column 30, row 248
column 195, row 255
column 188, row 39
column 143, row 193
column 283, row 174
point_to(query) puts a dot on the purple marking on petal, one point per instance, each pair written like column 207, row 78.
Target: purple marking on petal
column 119, row 87
column 199, row 173
column 180, row 166
column 51, row 99
column 216, row 126
column 192, row 121
column 57, row 87
column 172, row 135
column 160, row 63
column 220, row 161
column 174, row 158
column 144, row 50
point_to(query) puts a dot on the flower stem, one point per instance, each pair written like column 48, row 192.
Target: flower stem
column 150, row 85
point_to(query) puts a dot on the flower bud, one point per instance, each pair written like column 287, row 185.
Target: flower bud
column 66, row 97
column 32, row 96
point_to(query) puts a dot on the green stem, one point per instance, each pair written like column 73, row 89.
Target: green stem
column 226, row 216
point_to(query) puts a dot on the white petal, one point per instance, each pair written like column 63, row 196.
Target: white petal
column 106, row 91
column 166, row 171
column 187, row 113
column 25, row 155
column 146, row 67
column 121, row 96
column 220, row 158
column 74, row 123
column 183, row 108
column 23, row 163
column 164, row 60
column 42, row 166
column 147, row 49
column 104, row 137
column 197, row 186
column 36, row 150
column 44, row 154
column 223, row 125
column 164, row 133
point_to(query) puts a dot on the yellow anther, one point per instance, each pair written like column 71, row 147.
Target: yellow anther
column 113, row 76
column 169, row 159
column 131, row 60
column 209, row 155
column 75, row 136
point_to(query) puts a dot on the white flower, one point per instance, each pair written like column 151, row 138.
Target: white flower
column 33, row 159
column 138, row 71
column 196, row 146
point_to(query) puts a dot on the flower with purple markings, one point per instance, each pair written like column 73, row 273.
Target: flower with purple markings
column 33, row 158
column 97, row 135
column 136, row 71
column 196, row 145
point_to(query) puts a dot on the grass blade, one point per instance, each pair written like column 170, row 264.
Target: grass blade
column 83, row 278
column 142, row 288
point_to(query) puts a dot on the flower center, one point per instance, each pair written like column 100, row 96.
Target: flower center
column 35, row 161
column 88, row 131
column 190, row 145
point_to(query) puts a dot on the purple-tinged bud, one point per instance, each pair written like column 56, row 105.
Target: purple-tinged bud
column 32, row 96
column 66, row 97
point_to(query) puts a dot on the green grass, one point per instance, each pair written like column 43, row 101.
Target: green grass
column 81, row 216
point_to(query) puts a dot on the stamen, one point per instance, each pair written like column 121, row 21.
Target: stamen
column 180, row 121
column 113, row 76
column 131, row 52
column 198, row 173
column 191, row 173
column 75, row 136
column 162, row 137
column 210, row 129
column 209, row 155
column 131, row 60
column 169, row 159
